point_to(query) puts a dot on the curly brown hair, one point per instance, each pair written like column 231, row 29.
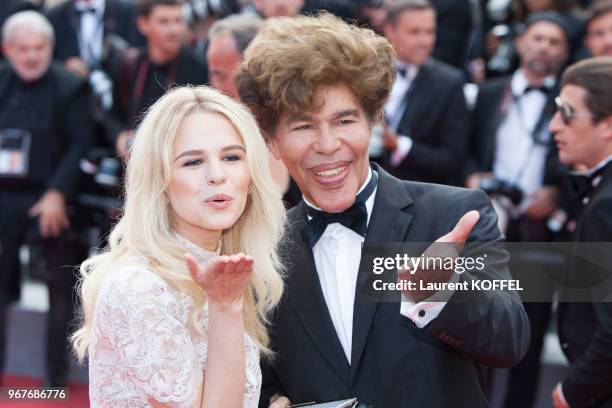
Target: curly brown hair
column 292, row 57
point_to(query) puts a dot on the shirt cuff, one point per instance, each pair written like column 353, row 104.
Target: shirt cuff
column 559, row 388
column 424, row 312
column 404, row 144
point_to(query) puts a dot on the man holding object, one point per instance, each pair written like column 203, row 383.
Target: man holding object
column 317, row 85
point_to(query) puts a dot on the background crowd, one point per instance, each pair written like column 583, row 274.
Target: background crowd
column 471, row 105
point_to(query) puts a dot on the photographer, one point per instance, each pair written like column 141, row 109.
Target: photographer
column 514, row 160
column 45, row 127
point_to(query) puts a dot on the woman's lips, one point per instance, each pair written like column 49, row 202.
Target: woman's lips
column 219, row 201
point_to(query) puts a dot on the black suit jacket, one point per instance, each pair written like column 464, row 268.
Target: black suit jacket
column 437, row 120
column 585, row 329
column 71, row 128
column 119, row 19
column 394, row 363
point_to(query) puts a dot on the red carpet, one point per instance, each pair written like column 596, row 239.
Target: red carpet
column 78, row 394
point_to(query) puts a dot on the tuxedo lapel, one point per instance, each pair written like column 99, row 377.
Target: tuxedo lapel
column 388, row 223
column 307, row 299
column 414, row 98
column 501, row 99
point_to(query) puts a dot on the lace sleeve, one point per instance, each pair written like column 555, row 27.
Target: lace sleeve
column 144, row 325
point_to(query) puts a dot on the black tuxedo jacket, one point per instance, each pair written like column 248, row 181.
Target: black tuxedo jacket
column 585, row 329
column 493, row 98
column 437, row 120
column 394, row 363
column 119, row 19
column 69, row 131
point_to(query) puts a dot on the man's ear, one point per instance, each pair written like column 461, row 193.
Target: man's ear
column 142, row 25
column 606, row 125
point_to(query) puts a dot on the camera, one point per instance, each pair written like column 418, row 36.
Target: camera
column 502, row 187
column 103, row 168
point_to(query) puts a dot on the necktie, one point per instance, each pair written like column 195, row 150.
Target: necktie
column 354, row 218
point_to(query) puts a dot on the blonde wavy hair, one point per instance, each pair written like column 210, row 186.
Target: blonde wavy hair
column 145, row 226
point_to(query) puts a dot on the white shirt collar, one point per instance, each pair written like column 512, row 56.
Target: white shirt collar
column 99, row 5
column 520, row 83
column 411, row 69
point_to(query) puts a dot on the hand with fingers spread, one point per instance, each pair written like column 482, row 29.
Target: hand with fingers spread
column 452, row 245
column 224, row 279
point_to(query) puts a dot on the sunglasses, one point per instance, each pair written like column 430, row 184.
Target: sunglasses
column 567, row 112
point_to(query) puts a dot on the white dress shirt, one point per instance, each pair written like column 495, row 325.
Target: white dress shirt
column 518, row 158
column 337, row 255
column 91, row 30
column 395, row 107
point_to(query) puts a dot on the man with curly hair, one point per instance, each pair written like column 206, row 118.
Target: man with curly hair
column 317, row 85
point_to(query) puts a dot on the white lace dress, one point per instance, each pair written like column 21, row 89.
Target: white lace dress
column 141, row 348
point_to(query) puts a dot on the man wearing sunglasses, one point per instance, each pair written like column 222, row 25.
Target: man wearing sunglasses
column 583, row 131
column 514, row 160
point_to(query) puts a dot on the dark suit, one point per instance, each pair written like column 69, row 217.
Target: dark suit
column 494, row 98
column 119, row 19
column 394, row 363
column 585, row 329
column 437, row 120
column 54, row 110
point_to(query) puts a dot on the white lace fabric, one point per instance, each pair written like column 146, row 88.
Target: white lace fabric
column 141, row 347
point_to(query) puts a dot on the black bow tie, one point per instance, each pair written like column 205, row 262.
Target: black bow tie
column 582, row 184
column 401, row 71
column 541, row 88
column 354, row 218
column 86, row 10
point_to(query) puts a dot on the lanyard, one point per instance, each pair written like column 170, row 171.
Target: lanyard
column 141, row 79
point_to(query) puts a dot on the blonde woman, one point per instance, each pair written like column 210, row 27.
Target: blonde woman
column 174, row 311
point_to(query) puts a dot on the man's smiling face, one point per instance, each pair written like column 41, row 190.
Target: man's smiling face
column 326, row 151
